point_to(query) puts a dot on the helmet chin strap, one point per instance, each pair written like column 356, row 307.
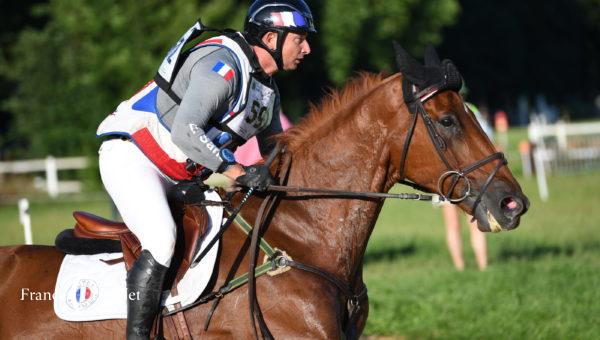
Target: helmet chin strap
column 277, row 53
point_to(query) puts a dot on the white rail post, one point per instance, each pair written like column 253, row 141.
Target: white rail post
column 51, row 177
column 561, row 135
column 25, row 219
column 539, row 155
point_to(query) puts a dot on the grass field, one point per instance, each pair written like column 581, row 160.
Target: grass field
column 543, row 281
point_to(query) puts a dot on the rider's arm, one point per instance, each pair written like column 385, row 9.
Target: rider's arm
column 208, row 93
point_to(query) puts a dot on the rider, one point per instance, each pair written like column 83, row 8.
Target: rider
column 203, row 104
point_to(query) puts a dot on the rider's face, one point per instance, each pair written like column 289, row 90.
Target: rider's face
column 295, row 48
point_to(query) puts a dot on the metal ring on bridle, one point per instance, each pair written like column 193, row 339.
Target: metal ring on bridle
column 441, row 186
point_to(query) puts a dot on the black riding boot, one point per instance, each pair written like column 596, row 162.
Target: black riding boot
column 144, row 288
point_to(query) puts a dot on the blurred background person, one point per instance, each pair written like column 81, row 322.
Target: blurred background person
column 249, row 154
column 451, row 214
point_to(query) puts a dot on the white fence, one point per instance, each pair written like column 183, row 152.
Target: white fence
column 50, row 166
column 562, row 148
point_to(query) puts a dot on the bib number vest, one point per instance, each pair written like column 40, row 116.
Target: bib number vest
column 138, row 118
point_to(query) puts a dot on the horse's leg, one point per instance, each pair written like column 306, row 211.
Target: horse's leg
column 28, row 278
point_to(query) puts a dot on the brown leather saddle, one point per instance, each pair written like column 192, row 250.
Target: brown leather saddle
column 192, row 221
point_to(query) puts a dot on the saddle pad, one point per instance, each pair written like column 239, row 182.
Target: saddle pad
column 88, row 289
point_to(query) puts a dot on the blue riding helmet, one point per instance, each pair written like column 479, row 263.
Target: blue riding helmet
column 280, row 16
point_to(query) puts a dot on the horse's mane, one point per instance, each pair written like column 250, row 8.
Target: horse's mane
column 333, row 106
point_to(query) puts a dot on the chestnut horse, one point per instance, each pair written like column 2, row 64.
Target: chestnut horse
column 372, row 134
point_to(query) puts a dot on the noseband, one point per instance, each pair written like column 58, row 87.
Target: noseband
column 417, row 109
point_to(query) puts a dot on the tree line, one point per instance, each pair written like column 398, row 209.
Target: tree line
column 65, row 64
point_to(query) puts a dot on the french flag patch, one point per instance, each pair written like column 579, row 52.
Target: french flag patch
column 224, row 70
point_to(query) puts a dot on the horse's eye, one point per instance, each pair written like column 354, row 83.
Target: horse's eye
column 447, row 121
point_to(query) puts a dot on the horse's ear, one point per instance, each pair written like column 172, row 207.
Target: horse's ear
column 405, row 62
column 431, row 56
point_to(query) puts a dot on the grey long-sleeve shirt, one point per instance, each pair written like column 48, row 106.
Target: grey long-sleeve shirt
column 204, row 94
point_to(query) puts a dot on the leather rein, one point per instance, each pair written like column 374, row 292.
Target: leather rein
column 417, row 109
column 353, row 300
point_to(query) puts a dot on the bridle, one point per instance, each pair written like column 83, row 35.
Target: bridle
column 416, row 109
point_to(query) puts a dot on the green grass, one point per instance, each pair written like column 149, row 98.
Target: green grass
column 542, row 283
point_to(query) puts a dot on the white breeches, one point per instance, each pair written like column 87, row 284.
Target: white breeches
column 138, row 189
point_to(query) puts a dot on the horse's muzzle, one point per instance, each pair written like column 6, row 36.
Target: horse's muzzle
column 500, row 208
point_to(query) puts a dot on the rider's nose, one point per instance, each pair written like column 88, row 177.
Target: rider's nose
column 305, row 48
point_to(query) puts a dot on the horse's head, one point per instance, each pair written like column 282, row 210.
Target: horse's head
column 445, row 149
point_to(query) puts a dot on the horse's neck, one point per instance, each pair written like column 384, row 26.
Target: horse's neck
column 353, row 156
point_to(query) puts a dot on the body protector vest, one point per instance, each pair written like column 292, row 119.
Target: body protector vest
column 138, row 118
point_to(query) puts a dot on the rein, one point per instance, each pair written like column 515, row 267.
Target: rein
column 352, row 194
column 267, row 207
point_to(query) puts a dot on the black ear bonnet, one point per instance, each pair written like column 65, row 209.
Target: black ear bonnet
column 441, row 75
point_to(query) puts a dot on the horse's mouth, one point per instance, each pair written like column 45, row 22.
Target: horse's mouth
column 500, row 217
column 494, row 226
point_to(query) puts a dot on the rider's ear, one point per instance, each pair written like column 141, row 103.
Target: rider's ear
column 270, row 39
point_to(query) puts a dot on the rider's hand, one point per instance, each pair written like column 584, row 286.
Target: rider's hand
column 234, row 171
column 257, row 176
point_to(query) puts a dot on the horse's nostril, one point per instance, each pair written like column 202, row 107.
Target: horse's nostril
column 511, row 206
column 509, row 203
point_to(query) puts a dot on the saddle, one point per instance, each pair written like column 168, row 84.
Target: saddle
column 192, row 223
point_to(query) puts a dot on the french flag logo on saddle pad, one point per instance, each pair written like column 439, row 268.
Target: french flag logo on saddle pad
column 82, row 294
column 224, row 70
